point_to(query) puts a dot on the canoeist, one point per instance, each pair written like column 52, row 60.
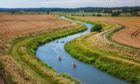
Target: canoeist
column 57, row 41
column 73, row 65
column 59, row 58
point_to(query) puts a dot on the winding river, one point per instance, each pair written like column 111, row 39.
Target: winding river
column 86, row 73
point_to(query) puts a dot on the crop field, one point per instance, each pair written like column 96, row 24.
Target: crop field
column 23, row 24
column 16, row 31
column 115, row 49
column 112, row 50
column 129, row 36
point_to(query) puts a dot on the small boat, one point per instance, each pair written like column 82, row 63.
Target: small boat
column 59, row 58
column 62, row 42
column 73, row 65
column 57, row 42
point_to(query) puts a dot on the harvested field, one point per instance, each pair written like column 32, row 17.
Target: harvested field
column 23, row 24
column 129, row 36
column 16, row 26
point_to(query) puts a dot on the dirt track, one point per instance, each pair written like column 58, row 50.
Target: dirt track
column 23, row 24
column 129, row 36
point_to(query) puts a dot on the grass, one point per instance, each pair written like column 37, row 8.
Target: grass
column 6, row 77
column 23, row 51
column 107, row 61
column 108, row 42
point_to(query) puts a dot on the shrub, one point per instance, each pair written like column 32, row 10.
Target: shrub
column 115, row 13
column 96, row 27
column 93, row 14
column 99, row 15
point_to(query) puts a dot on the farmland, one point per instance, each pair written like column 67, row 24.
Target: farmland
column 22, row 24
column 18, row 31
column 130, row 35
column 115, row 50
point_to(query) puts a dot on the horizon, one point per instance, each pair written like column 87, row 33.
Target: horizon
column 71, row 8
column 67, row 4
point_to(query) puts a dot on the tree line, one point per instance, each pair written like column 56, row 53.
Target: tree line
column 114, row 11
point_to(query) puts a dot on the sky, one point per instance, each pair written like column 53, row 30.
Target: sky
column 66, row 3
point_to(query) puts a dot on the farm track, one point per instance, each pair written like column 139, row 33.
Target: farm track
column 135, row 35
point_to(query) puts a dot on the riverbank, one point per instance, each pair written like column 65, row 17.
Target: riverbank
column 111, row 62
column 16, row 26
column 23, row 51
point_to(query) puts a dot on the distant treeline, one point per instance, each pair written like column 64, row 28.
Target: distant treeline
column 134, row 10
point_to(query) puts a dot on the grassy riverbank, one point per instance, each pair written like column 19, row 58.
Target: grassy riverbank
column 23, row 51
column 110, row 62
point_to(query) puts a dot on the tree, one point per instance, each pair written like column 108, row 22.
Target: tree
column 96, row 27
column 93, row 14
column 115, row 13
column 134, row 14
column 99, row 15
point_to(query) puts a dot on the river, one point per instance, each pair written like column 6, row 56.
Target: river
column 86, row 73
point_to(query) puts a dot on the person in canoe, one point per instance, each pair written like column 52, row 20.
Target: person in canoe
column 73, row 65
column 57, row 41
column 59, row 58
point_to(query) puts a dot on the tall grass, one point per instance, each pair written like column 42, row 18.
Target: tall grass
column 23, row 50
column 104, row 60
column 7, row 79
column 108, row 62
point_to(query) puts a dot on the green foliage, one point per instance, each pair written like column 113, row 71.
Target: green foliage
column 99, row 15
column 76, row 46
column 30, row 43
column 97, row 27
column 104, row 60
column 120, row 68
column 115, row 13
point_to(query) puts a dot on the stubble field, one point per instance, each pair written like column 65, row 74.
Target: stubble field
column 21, row 27
column 23, row 24
column 130, row 35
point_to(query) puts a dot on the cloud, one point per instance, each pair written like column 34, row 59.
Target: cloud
column 67, row 3
column 91, row 3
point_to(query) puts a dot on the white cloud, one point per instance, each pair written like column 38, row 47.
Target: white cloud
column 67, row 3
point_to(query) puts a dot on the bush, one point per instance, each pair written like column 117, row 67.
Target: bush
column 93, row 14
column 115, row 13
column 99, row 15
column 96, row 27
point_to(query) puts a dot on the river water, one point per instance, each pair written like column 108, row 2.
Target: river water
column 86, row 73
